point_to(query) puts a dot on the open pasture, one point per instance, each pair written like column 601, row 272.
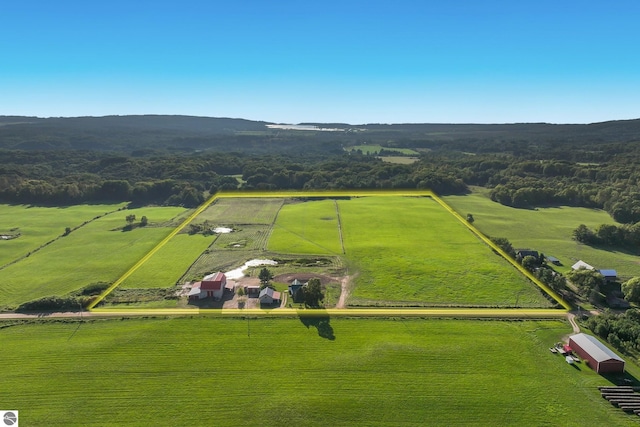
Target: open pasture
column 407, row 251
column 548, row 230
column 311, row 372
column 169, row 263
column 39, row 225
column 99, row 251
column 307, row 228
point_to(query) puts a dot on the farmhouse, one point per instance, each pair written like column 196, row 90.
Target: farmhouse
column 521, row 253
column 597, row 355
column 211, row 286
column 268, row 296
column 295, row 290
column 581, row 264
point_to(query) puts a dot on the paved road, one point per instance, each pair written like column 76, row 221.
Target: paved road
column 283, row 312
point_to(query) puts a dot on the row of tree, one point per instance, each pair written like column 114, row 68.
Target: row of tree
column 626, row 235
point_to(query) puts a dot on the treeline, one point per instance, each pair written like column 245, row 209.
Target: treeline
column 71, row 177
column 620, row 330
column 626, row 235
column 179, row 160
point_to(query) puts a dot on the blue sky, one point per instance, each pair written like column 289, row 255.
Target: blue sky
column 347, row 61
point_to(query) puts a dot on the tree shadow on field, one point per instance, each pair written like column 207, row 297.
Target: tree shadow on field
column 318, row 319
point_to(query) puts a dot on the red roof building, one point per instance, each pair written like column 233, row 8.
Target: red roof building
column 211, row 286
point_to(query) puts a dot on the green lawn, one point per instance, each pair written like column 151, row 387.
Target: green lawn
column 96, row 252
column 409, row 250
column 548, row 230
column 204, row 371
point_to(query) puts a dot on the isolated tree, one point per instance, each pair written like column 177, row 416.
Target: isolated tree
column 631, row 289
column 67, row 231
column 144, row 221
column 312, row 293
column 265, row 277
column 470, row 218
column 130, row 219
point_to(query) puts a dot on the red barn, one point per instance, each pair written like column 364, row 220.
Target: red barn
column 211, row 286
column 597, row 355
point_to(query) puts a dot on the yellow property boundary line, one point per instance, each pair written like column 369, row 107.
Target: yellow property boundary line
column 373, row 312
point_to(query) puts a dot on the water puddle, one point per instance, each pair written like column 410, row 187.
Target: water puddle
column 239, row 272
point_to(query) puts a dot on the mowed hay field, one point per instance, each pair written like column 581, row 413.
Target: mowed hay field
column 548, row 230
column 261, row 372
column 96, row 252
column 165, row 267
column 405, row 251
column 307, row 228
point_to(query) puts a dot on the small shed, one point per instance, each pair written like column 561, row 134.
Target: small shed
column 597, row 355
column 581, row 264
column 609, row 275
column 252, row 291
column 269, row 296
column 553, row 260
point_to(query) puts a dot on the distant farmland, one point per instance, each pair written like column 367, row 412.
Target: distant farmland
column 281, row 371
column 548, row 230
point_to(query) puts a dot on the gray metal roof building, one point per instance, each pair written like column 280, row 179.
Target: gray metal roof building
column 597, row 355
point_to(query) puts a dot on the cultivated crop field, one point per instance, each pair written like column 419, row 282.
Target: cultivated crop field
column 98, row 251
column 204, row 371
column 548, row 230
column 406, row 251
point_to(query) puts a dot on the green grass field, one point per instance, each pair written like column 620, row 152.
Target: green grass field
column 169, row 264
column 547, row 230
column 406, row 251
column 39, row 225
column 96, row 252
column 307, row 228
column 204, row 371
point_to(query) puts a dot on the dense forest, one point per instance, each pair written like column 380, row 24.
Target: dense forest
column 178, row 160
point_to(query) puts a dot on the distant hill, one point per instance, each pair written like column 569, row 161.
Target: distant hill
column 188, row 133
